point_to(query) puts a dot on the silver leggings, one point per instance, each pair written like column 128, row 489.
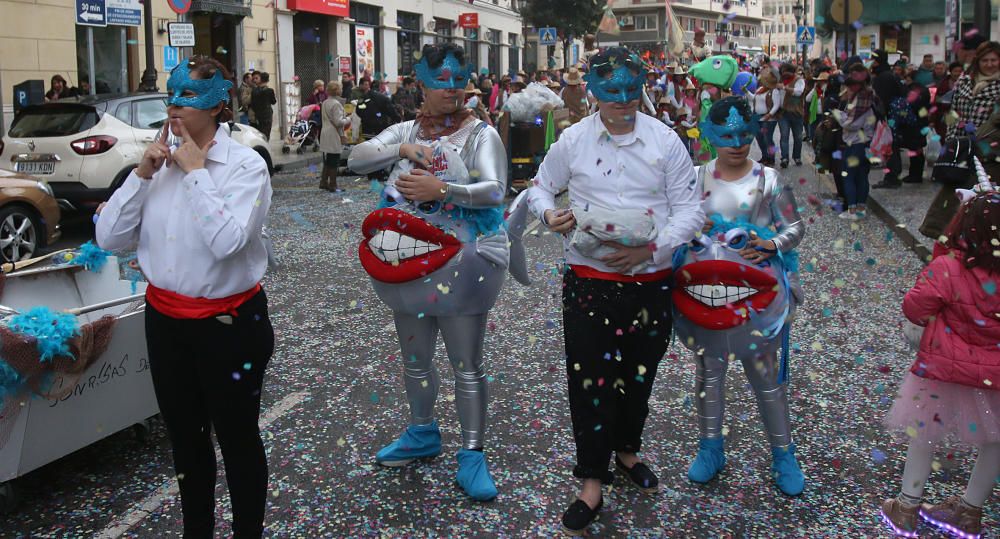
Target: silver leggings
column 772, row 400
column 463, row 339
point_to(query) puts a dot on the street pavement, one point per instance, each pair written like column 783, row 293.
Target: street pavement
column 333, row 396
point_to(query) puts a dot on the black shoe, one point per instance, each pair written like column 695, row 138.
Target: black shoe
column 887, row 185
column 784, row 164
column 798, row 162
column 641, row 476
column 909, row 179
column 579, row 517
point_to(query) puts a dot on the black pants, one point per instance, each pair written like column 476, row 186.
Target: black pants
column 616, row 334
column 895, row 163
column 208, row 376
column 264, row 126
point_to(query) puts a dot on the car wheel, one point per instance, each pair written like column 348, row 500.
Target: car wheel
column 20, row 232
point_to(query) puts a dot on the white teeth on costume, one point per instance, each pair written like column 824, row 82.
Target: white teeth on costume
column 391, row 246
column 717, row 295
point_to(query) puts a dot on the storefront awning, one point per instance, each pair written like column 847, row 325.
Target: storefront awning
column 240, row 8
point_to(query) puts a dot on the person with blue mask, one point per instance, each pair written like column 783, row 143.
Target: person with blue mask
column 195, row 213
column 743, row 263
column 437, row 249
column 633, row 199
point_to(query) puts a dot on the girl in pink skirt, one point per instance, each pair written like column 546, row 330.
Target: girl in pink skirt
column 951, row 390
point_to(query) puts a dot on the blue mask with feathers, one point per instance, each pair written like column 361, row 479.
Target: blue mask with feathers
column 735, row 132
column 208, row 92
column 624, row 83
column 450, row 75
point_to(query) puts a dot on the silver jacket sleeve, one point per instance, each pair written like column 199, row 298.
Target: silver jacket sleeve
column 489, row 161
column 380, row 151
column 785, row 216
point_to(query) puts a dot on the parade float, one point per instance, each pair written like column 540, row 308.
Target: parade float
column 73, row 364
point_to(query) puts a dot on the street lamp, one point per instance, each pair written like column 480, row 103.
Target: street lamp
column 799, row 10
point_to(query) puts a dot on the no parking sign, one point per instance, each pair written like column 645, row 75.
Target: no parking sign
column 179, row 6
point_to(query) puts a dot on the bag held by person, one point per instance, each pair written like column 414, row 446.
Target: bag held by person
column 954, row 165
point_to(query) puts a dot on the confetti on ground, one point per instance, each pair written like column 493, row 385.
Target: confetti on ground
column 336, row 340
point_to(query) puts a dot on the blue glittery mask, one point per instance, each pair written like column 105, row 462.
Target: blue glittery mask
column 450, row 75
column 624, row 85
column 208, row 92
column 734, row 133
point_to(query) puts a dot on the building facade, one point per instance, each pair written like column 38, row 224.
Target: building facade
column 296, row 41
column 781, row 28
column 729, row 25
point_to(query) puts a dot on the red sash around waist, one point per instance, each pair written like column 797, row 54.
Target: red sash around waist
column 588, row 272
column 180, row 306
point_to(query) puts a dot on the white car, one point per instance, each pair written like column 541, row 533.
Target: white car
column 85, row 148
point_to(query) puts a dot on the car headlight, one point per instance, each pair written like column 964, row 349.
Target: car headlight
column 46, row 188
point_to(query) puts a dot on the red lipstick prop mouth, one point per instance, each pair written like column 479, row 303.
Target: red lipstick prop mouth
column 400, row 247
column 719, row 294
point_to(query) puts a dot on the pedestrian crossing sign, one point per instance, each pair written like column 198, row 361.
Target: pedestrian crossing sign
column 806, row 35
column 547, row 36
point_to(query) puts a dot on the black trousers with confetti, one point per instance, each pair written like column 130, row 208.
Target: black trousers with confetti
column 616, row 334
column 208, row 375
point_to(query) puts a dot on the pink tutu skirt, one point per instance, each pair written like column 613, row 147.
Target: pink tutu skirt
column 932, row 411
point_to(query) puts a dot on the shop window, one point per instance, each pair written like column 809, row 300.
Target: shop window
column 408, row 40
column 471, row 45
column 110, row 63
column 442, row 27
column 513, row 52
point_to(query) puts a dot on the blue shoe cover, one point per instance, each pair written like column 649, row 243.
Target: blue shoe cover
column 473, row 476
column 418, row 441
column 709, row 461
column 786, row 472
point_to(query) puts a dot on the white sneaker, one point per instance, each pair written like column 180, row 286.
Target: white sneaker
column 848, row 215
column 861, row 214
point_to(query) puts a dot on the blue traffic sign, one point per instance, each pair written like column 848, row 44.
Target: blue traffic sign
column 90, row 13
column 547, row 36
column 805, row 35
column 171, row 57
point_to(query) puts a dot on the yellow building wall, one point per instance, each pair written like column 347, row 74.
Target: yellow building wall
column 38, row 40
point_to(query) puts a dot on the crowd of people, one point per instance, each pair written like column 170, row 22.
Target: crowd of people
column 633, row 237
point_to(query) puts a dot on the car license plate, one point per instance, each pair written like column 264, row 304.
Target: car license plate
column 521, row 160
column 35, row 167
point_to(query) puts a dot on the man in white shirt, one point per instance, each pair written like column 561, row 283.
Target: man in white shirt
column 633, row 191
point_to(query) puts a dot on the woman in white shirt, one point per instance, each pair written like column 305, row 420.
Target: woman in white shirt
column 195, row 213
column 766, row 104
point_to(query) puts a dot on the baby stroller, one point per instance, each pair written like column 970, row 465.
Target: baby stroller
column 304, row 132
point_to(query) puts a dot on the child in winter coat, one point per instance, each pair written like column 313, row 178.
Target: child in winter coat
column 951, row 390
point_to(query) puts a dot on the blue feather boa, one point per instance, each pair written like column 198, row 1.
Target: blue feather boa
column 90, row 257
column 10, row 381
column 51, row 330
column 485, row 221
column 789, row 261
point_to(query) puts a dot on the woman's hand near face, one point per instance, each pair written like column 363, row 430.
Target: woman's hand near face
column 190, row 156
column 155, row 156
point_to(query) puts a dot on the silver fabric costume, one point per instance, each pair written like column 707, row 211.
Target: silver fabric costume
column 763, row 203
column 453, row 274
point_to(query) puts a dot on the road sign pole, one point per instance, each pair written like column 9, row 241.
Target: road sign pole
column 148, row 83
column 91, row 77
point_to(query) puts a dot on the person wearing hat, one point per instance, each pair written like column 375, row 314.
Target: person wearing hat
column 814, row 103
column 575, row 95
column 766, row 106
column 690, row 99
column 699, row 49
column 474, row 101
column 888, row 87
column 644, row 192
